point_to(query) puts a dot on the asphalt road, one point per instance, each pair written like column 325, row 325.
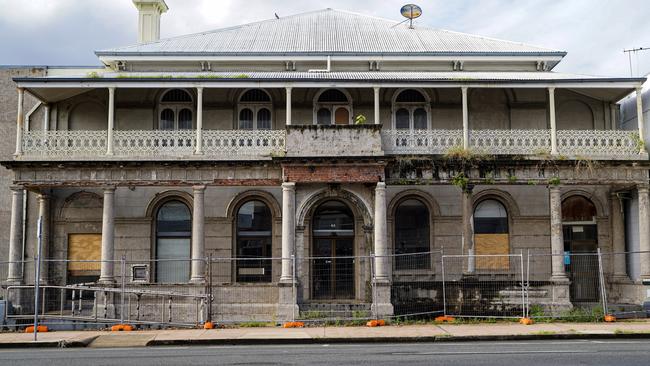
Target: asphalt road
column 525, row 353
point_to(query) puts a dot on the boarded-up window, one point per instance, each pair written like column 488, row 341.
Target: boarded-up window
column 84, row 254
column 491, row 236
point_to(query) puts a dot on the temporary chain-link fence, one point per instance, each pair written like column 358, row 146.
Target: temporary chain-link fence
column 319, row 289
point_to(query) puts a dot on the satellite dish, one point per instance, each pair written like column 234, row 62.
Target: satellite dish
column 410, row 12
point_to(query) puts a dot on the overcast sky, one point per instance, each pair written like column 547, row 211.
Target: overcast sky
column 593, row 32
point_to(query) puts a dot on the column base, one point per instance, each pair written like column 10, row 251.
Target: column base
column 382, row 306
column 560, row 280
column 106, row 281
column 621, row 278
column 288, row 308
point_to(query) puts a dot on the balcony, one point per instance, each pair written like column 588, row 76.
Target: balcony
column 323, row 141
column 154, row 145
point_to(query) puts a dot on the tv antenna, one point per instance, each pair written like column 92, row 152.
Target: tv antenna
column 636, row 55
column 410, row 12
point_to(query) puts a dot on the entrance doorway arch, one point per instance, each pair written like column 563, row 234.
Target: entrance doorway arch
column 333, row 267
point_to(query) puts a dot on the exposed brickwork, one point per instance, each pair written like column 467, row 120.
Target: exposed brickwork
column 333, row 173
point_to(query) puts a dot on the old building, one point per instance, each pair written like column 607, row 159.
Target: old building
column 324, row 134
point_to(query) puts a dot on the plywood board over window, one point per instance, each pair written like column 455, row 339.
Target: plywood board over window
column 492, row 244
column 81, row 249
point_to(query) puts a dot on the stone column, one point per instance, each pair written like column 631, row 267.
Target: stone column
column 644, row 230
column 551, row 109
column 44, row 214
column 108, row 236
column 377, row 115
column 198, row 235
column 288, row 121
column 468, row 228
column 15, row 275
column 639, row 114
column 288, row 229
column 199, row 121
column 465, row 118
column 111, row 121
column 381, row 306
column 381, row 247
column 618, row 239
column 557, row 240
column 20, row 121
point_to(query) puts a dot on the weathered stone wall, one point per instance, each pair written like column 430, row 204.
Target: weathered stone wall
column 8, row 108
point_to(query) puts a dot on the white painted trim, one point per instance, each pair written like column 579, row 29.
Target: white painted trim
column 52, row 84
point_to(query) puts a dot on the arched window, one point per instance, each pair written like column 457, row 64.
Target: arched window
column 491, row 235
column 254, row 233
column 255, row 108
column 411, row 110
column 332, row 107
column 412, row 235
column 176, row 110
column 173, row 242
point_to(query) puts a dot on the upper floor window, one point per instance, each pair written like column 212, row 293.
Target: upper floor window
column 176, row 110
column 254, row 110
column 333, row 107
column 411, row 110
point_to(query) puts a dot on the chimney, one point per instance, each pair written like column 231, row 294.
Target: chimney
column 149, row 12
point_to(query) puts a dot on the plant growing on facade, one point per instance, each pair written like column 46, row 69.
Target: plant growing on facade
column 554, row 181
column 638, row 143
column 359, row 119
column 460, row 181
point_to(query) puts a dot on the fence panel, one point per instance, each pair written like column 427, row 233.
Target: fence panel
column 335, row 288
column 483, row 285
column 417, row 289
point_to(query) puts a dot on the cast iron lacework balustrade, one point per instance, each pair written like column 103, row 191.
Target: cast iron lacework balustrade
column 420, row 141
column 217, row 144
column 64, row 143
column 618, row 143
column 505, row 142
column 168, row 143
column 243, row 142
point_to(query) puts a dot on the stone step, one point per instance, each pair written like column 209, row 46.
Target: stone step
column 334, row 310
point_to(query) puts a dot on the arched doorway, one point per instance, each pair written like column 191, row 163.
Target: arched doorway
column 333, row 250
column 173, row 243
column 580, row 233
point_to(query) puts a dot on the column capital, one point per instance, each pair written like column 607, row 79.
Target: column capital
column 109, row 189
column 20, row 89
column 288, row 89
column 381, row 185
column 17, row 189
column 639, row 90
column 288, row 186
column 642, row 187
column 464, row 89
column 199, row 89
column 551, row 89
column 198, row 188
column 376, row 88
column 43, row 197
column 111, row 89
column 554, row 188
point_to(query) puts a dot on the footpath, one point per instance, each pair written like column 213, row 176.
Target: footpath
column 446, row 332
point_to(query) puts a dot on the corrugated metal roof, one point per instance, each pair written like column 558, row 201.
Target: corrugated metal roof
column 329, row 31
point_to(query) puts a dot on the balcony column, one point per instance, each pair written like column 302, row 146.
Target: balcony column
column 639, row 115
column 288, row 121
column 199, row 122
column 15, row 276
column 557, row 241
column 198, row 235
column 288, row 229
column 20, row 121
column 644, row 230
column 551, row 109
column 465, row 119
column 108, row 236
column 618, row 238
column 111, row 120
column 44, row 214
column 468, row 228
column 46, row 118
column 377, row 117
